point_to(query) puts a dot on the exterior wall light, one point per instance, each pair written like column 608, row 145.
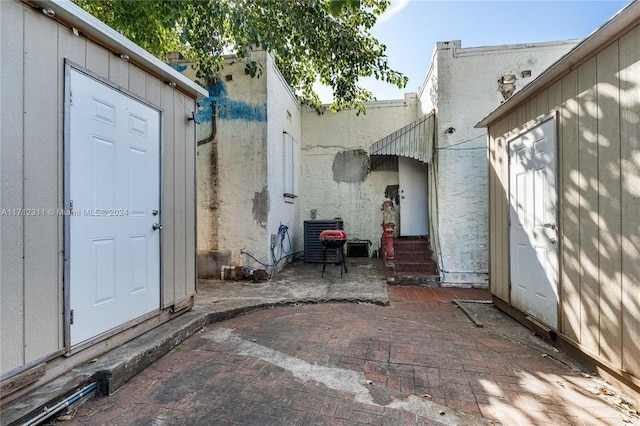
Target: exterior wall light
column 194, row 117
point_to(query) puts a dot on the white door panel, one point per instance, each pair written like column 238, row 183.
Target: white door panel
column 414, row 219
column 114, row 192
column 532, row 231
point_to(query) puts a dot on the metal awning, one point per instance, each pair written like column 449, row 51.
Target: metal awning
column 415, row 140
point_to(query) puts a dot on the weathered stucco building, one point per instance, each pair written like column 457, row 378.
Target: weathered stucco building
column 255, row 141
column 98, row 160
column 564, row 158
column 249, row 141
column 461, row 86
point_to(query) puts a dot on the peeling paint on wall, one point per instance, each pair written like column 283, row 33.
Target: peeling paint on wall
column 261, row 206
column 228, row 109
column 351, row 166
column 213, row 193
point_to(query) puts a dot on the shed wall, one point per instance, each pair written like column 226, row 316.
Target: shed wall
column 598, row 106
column 34, row 49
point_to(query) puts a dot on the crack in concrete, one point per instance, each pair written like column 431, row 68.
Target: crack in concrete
column 345, row 381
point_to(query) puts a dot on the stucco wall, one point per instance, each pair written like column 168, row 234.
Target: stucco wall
column 284, row 115
column 241, row 140
column 463, row 87
column 332, row 181
column 241, row 167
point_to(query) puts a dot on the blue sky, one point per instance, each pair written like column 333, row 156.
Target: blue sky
column 411, row 28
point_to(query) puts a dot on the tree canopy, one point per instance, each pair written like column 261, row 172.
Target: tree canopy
column 311, row 40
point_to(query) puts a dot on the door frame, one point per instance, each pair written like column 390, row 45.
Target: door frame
column 555, row 115
column 414, row 164
column 69, row 349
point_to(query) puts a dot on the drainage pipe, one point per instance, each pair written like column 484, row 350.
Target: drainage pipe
column 50, row 411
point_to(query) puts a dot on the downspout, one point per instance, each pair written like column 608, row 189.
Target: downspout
column 433, row 224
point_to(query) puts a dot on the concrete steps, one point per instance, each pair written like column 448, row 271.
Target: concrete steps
column 413, row 263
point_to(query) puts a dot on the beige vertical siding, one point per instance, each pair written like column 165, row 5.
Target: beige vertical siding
column 570, row 207
column 11, row 177
column 170, row 229
column 587, row 186
column 630, row 197
column 598, row 106
column 34, row 49
column 188, row 210
column 42, row 261
column 608, row 218
column 499, row 219
column 179, row 198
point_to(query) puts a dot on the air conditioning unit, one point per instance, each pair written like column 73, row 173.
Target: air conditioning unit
column 313, row 246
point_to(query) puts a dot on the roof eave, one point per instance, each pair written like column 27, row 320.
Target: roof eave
column 76, row 17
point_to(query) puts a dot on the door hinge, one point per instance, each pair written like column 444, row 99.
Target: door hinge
column 71, row 207
column 70, row 98
column 71, row 317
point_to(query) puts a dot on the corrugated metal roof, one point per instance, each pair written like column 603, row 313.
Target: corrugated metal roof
column 415, row 140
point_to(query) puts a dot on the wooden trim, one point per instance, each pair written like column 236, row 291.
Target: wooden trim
column 538, row 328
column 22, row 379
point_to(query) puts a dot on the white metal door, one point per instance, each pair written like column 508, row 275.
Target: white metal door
column 533, row 234
column 414, row 219
column 114, row 198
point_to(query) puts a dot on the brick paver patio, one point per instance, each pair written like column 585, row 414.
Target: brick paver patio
column 417, row 361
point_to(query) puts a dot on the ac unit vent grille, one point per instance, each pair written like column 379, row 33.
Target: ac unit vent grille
column 313, row 246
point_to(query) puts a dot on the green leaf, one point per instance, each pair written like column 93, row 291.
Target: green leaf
column 325, row 40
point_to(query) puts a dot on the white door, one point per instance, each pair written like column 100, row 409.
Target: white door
column 414, row 218
column 533, row 235
column 114, row 195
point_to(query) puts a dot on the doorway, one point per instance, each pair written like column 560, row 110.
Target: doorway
column 112, row 195
column 533, row 230
column 414, row 219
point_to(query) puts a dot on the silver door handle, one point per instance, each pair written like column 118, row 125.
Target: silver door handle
column 156, row 226
column 550, row 225
column 552, row 240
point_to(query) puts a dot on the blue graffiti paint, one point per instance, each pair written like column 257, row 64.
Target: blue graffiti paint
column 228, row 109
column 178, row 67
